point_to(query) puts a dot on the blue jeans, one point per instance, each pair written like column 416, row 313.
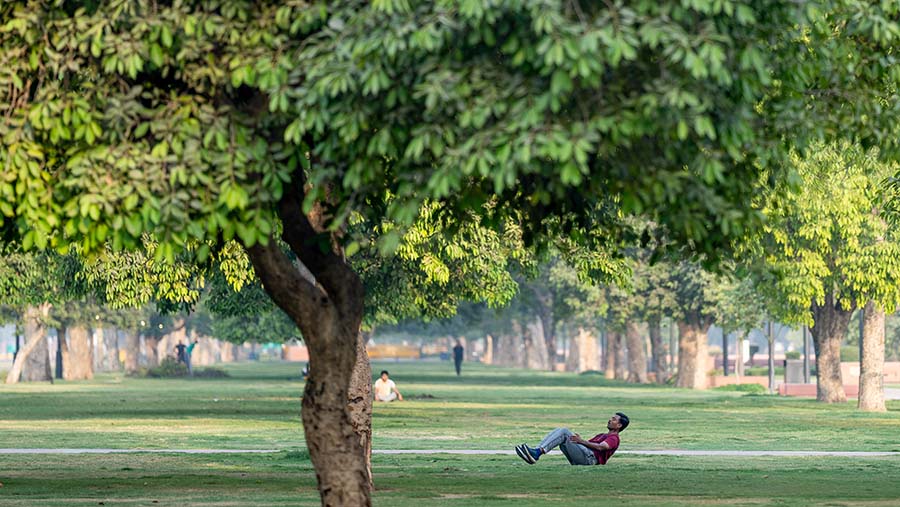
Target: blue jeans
column 577, row 454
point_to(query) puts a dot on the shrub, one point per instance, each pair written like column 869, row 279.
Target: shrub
column 763, row 371
column 743, row 388
column 171, row 368
column 168, row 368
column 793, row 354
column 849, row 353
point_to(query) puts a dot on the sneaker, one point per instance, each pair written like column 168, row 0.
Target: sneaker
column 534, row 453
column 524, row 454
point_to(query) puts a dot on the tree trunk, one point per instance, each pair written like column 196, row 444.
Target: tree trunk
column 359, row 402
column 829, row 331
column 612, row 345
column 132, row 351
column 111, row 336
column 37, row 364
column 637, row 355
column 582, row 352
column 327, row 307
column 739, row 354
column 548, row 324
column 24, row 368
column 78, row 356
column 871, row 371
column 60, row 348
column 488, row 357
column 535, row 346
column 151, row 350
column 621, row 359
column 658, row 351
column 692, row 354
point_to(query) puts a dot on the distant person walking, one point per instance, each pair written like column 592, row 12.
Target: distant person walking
column 386, row 389
column 181, row 352
column 577, row 450
column 458, row 352
column 187, row 356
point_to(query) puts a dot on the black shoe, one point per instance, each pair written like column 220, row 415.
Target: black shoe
column 522, row 451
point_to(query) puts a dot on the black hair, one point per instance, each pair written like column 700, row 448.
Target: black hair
column 384, row 372
column 623, row 420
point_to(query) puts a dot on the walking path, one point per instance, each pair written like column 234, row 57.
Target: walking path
column 666, row 452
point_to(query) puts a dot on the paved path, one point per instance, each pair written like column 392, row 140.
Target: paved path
column 891, row 393
column 667, row 452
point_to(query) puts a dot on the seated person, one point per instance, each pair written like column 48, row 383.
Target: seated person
column 386, row 389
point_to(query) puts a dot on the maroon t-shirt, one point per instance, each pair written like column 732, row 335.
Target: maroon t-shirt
column 604, row 455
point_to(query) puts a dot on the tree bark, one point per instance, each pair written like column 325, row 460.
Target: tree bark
column 739, row 354
column 829, row 331
column 359, row 401
column 24, row 368
column 658, row 351
column 692, row 353
column 637, row 355
column 613, row 339
column 132, row 351
column 871, row 371
column 78, row 356
column 111, row 337
column 488, row 357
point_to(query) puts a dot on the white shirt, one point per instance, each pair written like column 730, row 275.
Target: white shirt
column 383, row 388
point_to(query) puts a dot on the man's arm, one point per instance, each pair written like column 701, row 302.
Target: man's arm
column 601, row 446
column 399, row 396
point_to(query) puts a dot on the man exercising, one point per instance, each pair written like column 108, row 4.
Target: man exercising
column 579, row 451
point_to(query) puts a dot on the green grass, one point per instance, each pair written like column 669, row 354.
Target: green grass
column 488, row 408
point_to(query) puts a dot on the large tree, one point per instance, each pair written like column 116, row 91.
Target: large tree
column 204, row 121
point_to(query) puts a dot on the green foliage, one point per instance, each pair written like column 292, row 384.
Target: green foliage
column 792, row 354
column 828, row 236
column 171, row 368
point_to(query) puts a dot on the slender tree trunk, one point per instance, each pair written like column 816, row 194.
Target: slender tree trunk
column 739, row 354
column 548, row 324
column 613, row 338
column 488, row 357
column 621, row 358
column 78, row 357
column 60, row 345
column 658, row 351
column 637, row 355
column 35, row 335
column 692, row 353
column 829, row 331
column 132, row 351
column 871, row 371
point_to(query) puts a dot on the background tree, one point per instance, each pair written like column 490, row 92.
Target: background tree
column 830, row 252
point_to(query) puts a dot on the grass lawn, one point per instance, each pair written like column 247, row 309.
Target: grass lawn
column 488, row 408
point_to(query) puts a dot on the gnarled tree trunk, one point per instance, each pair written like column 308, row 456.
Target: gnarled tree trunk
column 325, row 299
column 78, row 355
column 637, row 355
column 35, row 335
column 151, row 350
column 871, row 371
column 658, row 351
column 692, row 353
column 829, row 330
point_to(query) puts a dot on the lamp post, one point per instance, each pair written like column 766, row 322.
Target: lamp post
column 806, row 376
column 771, row 331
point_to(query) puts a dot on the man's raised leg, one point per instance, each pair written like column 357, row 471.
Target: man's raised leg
column 553, row 439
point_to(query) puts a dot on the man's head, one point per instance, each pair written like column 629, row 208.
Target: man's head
column 618, row 422
column 385, row 375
